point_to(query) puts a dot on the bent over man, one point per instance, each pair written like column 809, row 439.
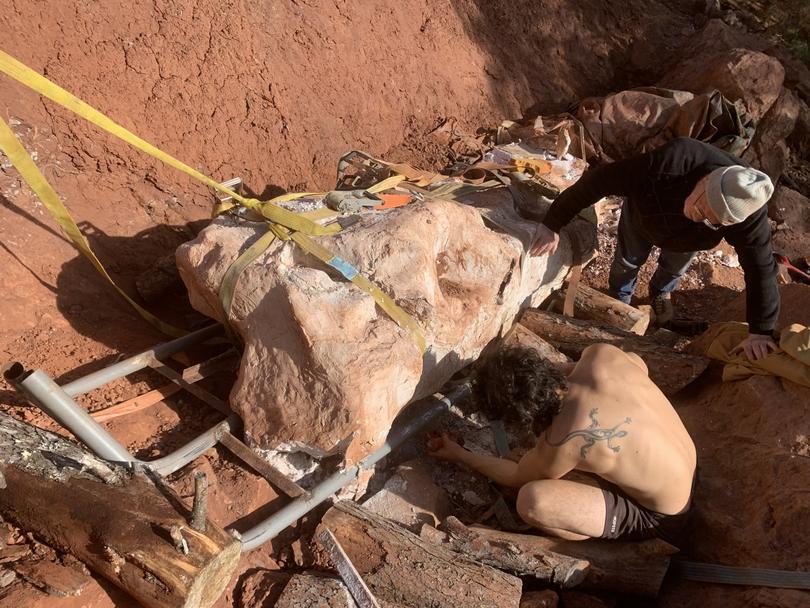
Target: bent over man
column 607, row 418
column 684, row 197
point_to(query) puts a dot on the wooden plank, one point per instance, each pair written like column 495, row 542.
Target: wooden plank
column 194, row 373
column 273, row 476
column 402, row 569
column 351, row 577
column 141, row 402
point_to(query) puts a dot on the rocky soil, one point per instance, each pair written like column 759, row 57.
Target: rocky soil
column 275, row 93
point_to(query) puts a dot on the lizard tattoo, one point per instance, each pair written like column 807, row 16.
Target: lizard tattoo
column 592, row 434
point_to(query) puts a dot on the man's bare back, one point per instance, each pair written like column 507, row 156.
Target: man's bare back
column 617, row 424
column 607, row 418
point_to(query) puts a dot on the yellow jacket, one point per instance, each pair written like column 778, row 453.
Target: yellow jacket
column 790, row 361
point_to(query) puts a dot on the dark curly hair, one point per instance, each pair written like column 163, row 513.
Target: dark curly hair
column 517, row 385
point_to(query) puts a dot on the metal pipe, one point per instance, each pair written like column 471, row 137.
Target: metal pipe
column 45, row 393
column 295, row 510
column 138, row 362
column 49, row 396
column 181, row 457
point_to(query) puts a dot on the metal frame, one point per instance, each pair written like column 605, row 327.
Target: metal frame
column 57, row 401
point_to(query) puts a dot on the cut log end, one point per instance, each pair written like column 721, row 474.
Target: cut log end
column 572, row 575
column 214, row 577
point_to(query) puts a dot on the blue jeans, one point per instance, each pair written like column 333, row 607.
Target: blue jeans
column 631, row 252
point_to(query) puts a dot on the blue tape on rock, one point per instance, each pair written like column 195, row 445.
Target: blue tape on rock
column 343, row 267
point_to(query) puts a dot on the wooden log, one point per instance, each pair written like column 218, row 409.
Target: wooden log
column 118, row 523
column 596, row 306
column 305, row 590
column 543, row 565
column 625, row 567
column 520, row 336
column 402, row 569
column 669, row 369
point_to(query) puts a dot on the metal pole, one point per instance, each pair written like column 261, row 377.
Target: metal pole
column 51, row 398
column 138, row 362
column 295, row 510
column 181, row 457
column 45, row 393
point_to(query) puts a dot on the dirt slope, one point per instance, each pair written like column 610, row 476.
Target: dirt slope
column 273, row 92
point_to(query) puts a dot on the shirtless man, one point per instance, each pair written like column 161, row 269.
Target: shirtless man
column 605, row 417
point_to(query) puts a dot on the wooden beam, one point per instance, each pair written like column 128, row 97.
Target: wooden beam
column 669, row 369
column 118, row 523
column 636, row 567
column 273, row 476
column 402, row 569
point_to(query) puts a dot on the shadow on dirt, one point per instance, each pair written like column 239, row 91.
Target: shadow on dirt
column 93, row 307
column 546, row 56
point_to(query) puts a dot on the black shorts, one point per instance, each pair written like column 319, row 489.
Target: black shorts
column 626, row 519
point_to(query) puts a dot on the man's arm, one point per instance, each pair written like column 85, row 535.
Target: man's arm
column 538, row 463
column 752, row 242
column 619, row 178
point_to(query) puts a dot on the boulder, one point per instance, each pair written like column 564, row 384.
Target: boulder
column 799, row 140
column 790, row 207
column 324, row 370
column 769, row 151
column 751, row 77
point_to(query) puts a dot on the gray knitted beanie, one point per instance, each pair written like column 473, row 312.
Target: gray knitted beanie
column 735, row 192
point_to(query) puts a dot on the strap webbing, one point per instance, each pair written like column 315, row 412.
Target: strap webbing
column 733, row 575
column 231, row 278
column 19, row 157
column 299, row 225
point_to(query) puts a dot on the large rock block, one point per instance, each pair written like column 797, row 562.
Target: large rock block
column 769, row 151
column 323, row 368
column 739, row 74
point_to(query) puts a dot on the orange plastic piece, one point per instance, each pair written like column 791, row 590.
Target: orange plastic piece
column 392, row 201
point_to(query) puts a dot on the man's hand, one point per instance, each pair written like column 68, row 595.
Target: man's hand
column 445, row 447
column 545, row 241
column 756, row 346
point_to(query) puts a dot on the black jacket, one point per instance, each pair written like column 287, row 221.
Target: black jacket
column 656, row 185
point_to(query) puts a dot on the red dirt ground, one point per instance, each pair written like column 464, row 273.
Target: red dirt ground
column 272, row 92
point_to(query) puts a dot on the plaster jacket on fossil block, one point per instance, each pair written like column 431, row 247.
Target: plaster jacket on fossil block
column 324, row 369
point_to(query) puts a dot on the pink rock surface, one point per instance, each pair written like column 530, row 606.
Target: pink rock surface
column 740, row 74
column 324, row 369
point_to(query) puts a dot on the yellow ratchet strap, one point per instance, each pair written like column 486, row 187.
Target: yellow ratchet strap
column 25, row 75
column 273, row 213
column 20, row 158
column 229, row 282
column 383, row 300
